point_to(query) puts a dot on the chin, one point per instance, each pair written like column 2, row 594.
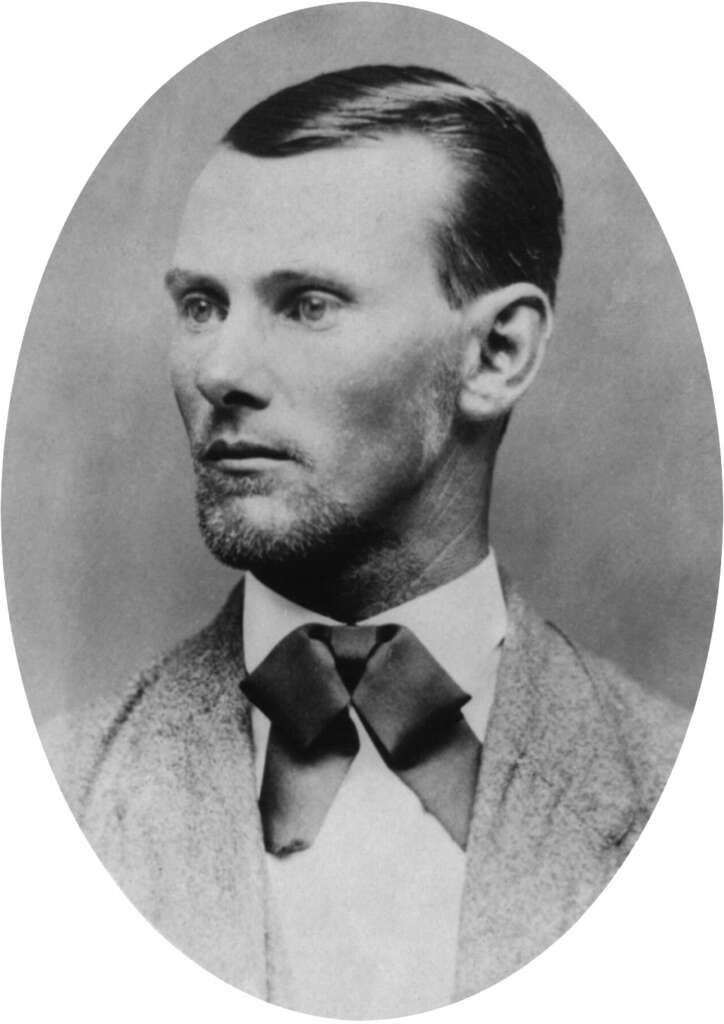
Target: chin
column 254, row 524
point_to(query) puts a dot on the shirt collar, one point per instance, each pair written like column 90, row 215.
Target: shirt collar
column 461, row 623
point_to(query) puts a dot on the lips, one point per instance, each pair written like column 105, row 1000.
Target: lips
column 238, row 452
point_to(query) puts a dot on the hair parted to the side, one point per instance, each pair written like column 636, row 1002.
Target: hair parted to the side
column 506, row 222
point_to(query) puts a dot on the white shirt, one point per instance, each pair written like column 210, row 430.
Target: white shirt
column 369, row 913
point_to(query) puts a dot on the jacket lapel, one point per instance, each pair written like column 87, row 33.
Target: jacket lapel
column 172, row 810
column 546, row 829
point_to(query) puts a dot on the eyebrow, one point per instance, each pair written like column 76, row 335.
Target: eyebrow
column 268, row 286
column 178, row 281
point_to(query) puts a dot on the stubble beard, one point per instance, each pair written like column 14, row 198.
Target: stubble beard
column 306, row 533
column 310, row 527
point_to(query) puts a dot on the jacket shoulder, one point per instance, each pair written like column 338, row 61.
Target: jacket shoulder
column 599, row 738
column 168, row 696
column 651, row 726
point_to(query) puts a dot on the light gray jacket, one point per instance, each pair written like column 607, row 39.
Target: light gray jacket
column 574, row 759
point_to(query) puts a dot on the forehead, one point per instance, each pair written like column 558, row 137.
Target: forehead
column 368, row 202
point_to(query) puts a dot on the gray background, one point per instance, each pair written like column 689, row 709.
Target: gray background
column 607, row 498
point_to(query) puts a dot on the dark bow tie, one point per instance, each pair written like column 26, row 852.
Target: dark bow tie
column 407, row 703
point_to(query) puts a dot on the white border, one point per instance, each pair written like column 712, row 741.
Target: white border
column 72, row 947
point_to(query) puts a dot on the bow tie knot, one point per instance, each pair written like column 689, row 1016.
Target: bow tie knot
column 407, row 703
column 352, row 647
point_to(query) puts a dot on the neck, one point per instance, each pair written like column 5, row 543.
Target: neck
column 421, row 545
column 354, row 589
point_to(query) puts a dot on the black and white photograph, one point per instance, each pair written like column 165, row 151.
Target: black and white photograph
column 362, row 523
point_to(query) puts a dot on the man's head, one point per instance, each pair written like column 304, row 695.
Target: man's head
column 502, row 223
column 364, row 280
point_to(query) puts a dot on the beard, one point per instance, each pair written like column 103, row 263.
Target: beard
column 268, row 525
column 308, row 528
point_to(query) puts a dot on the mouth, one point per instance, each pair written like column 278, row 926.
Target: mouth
column 241, row 456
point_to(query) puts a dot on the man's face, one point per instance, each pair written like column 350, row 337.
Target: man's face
column 315, row 359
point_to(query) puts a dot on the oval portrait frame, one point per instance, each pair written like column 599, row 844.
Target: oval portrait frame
column 569, row 938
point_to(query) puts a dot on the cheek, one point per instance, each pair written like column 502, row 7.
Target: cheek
column 184, row 389
column 389, row 410
column 370, row 405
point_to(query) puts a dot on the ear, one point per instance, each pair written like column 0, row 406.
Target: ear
column 506, row 332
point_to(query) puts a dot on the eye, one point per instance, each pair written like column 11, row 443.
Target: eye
column 198, row 310
column 316, row 310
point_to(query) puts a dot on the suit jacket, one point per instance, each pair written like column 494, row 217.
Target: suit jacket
column 162, row 783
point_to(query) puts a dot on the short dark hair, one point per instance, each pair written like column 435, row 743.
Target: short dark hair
column 506, row 224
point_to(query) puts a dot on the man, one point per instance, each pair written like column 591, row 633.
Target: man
column 377, row 781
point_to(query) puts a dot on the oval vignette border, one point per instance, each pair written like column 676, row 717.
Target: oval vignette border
column 622, row 904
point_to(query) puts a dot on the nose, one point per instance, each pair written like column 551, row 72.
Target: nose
column 231, row 371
